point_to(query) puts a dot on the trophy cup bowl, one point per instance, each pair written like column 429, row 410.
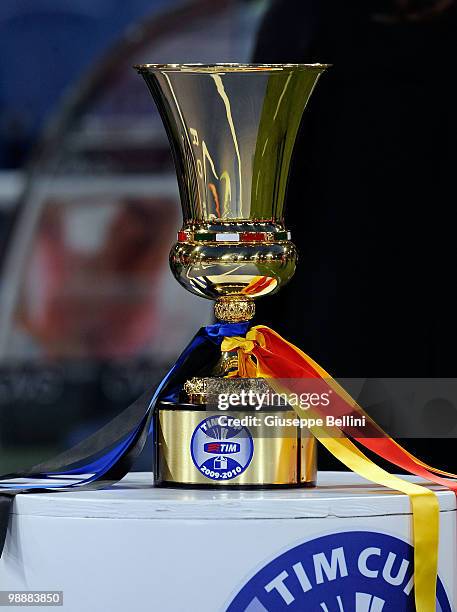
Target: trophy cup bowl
column 232, row 130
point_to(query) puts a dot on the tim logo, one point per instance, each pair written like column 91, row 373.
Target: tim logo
column 358, row 571
column 222, row 448
column 221, row 452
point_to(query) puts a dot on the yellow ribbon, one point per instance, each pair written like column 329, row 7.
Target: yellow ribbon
column 424, row 503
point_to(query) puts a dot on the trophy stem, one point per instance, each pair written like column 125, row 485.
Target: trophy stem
column 234, row 308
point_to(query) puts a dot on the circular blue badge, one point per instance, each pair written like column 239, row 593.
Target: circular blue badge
column 220, row 452
column 356, row 571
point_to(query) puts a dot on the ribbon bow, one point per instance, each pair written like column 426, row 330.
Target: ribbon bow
column 245, row 347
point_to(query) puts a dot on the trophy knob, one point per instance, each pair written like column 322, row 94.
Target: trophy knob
column 234, row 308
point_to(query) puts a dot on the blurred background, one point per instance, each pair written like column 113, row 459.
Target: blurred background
column 90, row 315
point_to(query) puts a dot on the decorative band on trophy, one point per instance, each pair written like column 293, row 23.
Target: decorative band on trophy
column 253, row 236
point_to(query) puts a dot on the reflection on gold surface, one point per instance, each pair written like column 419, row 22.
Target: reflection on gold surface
column 223, row 94
column 308, row 459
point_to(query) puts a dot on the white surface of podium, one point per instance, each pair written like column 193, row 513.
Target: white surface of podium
column 140, row 548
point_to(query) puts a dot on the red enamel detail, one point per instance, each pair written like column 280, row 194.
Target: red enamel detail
column 253, row 236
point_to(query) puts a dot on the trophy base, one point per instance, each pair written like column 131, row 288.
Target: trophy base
column 197, row 447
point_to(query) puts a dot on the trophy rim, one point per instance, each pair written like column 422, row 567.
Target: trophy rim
column 198, row 68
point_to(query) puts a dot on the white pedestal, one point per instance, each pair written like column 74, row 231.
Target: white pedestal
column 138, row 548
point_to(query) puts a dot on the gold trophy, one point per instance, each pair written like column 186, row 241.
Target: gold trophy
column 232, row 129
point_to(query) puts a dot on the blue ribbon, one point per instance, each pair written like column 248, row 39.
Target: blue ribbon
column 99, row 466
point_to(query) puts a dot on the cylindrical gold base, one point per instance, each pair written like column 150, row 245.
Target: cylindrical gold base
column 194, row 448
